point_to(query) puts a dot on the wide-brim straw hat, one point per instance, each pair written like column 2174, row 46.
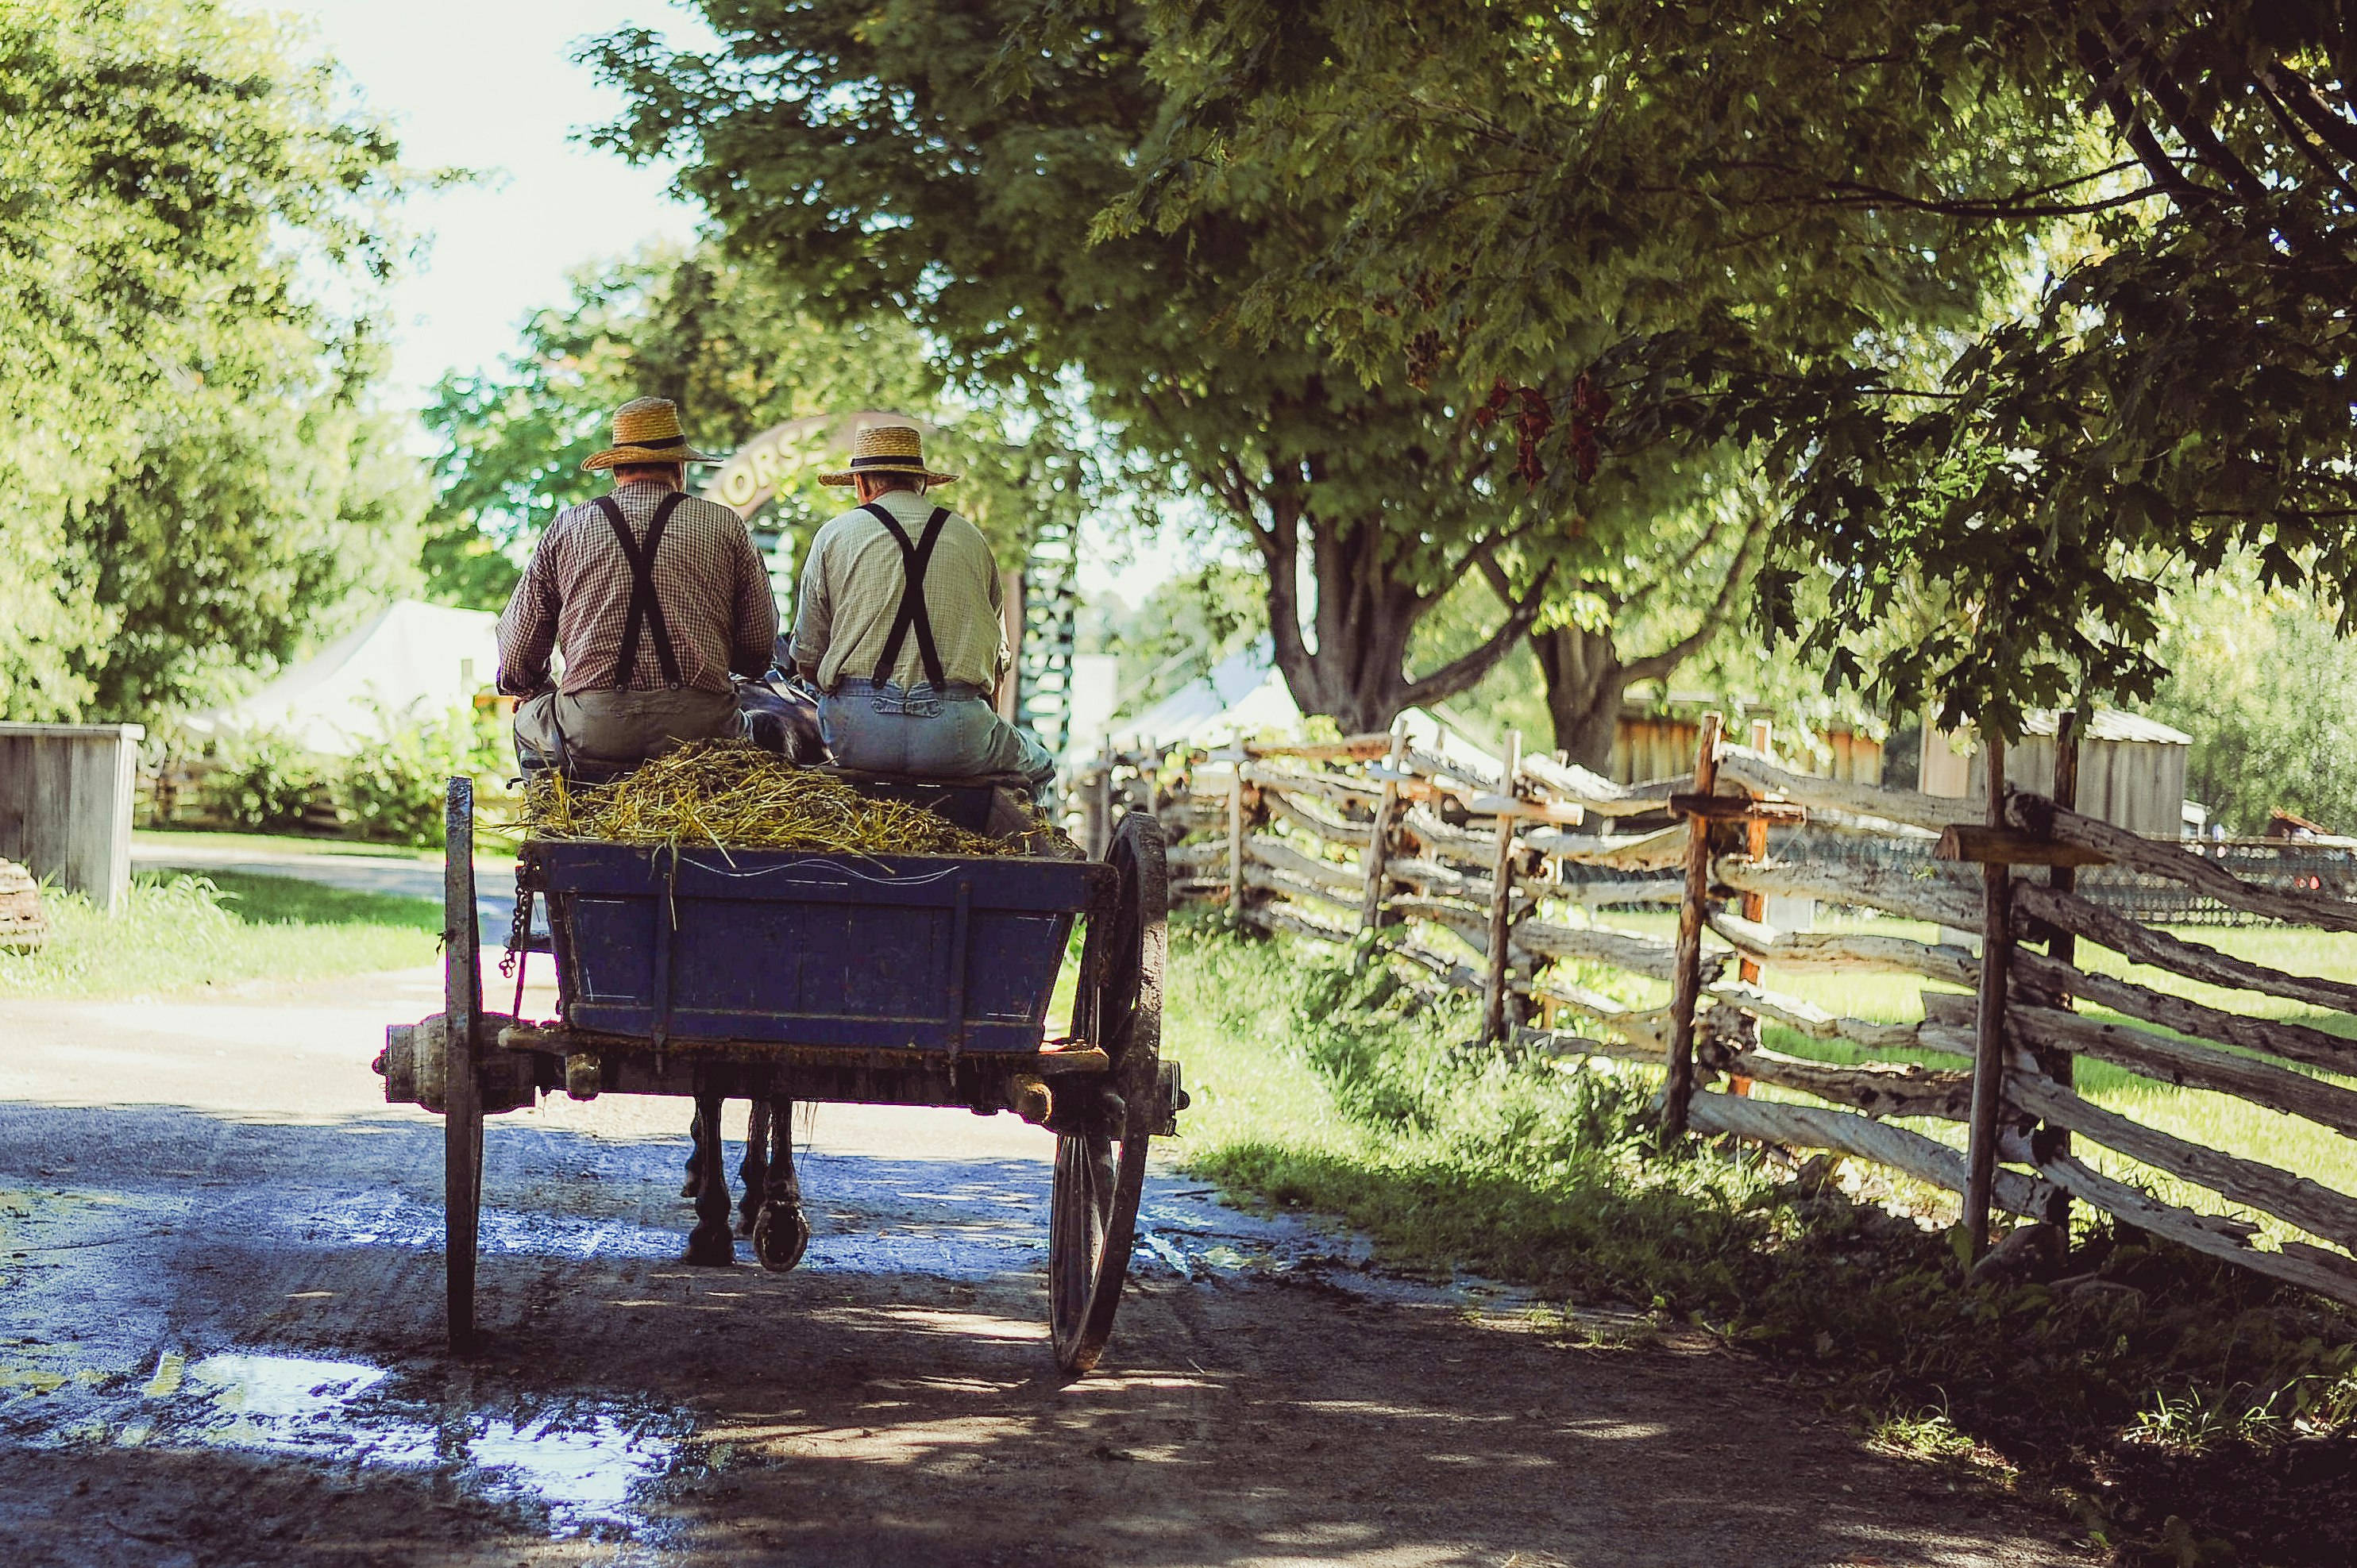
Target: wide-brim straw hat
column 888, row 449
column 646, row 430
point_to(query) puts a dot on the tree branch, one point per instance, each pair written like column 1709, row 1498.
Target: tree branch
column 1460, row 673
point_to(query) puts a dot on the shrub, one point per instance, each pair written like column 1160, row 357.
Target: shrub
column 394, row 789
column 263, row 782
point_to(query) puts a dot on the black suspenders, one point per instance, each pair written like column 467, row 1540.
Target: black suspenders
column 646, row 609
column 914, row 559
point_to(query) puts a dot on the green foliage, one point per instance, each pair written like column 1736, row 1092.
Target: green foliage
column 195, row 473
column 739, row 352
column 2267, row 688
column 190, row 935
column 2161, row 1386
column 863, row 152
column 396, row 790
column 265, row 783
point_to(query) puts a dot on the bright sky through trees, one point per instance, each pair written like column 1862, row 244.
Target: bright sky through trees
column 494, row 87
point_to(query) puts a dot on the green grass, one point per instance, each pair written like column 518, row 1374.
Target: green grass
column 157, row 842
column 184, row 936
column 2163, row 1390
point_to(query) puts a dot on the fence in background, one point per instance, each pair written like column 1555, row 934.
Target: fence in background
column 1479, row 882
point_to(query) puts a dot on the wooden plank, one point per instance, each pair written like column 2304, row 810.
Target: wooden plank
column 1686, row 980
column 1595, row 792
column 2313, row 1207
column 16, row 795
column 1918, row 810
column 1648, row 956
column 2311, row 1268
column 1318, row 786
column 2296, row 1042
column 1736, row 808
column 1350, row 835
column 1507, row 808
column 1350, row 748
column 2195, row 961
column 1845, row 1132
column 48, row 838
column 1807, row 1018
column 1557, row 1043
column 1878, row 1088
column 2001, row 846
column 1279, row 918
column 2189, row 1065
column 1438, row 837
column 1646, row 852
column 1260, row 876
column 1937, row 901
column 1282, row 856
column 1847, row 950
column 2043, row 816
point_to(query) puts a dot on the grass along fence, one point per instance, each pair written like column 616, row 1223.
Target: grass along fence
column 1473, row 877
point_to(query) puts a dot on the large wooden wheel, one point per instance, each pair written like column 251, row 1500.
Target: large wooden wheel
column 1101, row 1162
column 462, row 1116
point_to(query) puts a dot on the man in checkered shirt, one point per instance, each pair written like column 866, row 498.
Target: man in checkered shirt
column 655, row 598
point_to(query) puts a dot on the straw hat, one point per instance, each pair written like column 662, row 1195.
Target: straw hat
column 646, row 430
column 888, row 449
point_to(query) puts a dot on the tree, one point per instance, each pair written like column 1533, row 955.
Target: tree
column 738, row 353
column 193, row 470
column 2174, row 390
column 1609, row 216
column 862, row 151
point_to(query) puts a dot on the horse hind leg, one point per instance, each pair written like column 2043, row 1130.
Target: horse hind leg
column 780, row 1232
column 755, row 1170
column 712, row 1243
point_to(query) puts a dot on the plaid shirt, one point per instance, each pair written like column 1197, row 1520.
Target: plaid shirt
column 575, row 596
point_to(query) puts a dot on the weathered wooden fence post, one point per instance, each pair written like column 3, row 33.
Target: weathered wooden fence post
column 1755, row 905
column 2054, row 1142
column 1236, row 837
column 1501, row 899
column 1379, row 841
column 1989, row 1047
column 1686, row 982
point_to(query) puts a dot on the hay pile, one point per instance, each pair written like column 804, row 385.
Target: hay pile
column 733, row 795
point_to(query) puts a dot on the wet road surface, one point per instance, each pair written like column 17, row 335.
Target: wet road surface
column 220, row 1343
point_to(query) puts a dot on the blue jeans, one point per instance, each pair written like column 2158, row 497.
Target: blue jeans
column 877, row 726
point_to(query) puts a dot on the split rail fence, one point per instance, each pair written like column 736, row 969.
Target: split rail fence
column 1372, row 840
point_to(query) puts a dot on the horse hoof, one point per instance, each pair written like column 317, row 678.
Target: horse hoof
column 781, row 1235
column 710, row 1249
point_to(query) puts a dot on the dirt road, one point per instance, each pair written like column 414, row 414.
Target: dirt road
column 219, row 1325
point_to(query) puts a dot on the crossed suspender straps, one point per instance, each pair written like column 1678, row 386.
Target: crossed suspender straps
column 914, row 560
column 645, row 610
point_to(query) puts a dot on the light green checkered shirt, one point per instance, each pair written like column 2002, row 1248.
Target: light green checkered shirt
column 851, row 587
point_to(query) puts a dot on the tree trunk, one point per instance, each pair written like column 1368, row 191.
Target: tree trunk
column 1584, row 677
column 1367, row 612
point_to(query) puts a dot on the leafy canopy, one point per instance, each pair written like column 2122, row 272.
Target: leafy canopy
column 194, row 472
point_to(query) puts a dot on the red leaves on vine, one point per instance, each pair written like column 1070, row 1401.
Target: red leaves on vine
column 1532, row 420
column 1590, row 406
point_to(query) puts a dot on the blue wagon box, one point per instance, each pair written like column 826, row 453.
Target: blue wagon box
column 810, row 949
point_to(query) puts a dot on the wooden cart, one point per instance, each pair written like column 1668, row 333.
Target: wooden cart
column 778, row 975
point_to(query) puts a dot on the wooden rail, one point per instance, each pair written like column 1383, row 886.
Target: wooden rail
column 1472, row 880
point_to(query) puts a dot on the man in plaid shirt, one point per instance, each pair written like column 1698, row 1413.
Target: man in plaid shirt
column 655, row 598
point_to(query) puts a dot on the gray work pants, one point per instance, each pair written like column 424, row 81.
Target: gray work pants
column 876, row 726
column 618, row 729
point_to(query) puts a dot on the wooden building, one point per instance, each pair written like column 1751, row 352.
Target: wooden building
column 1657, row 740
column 2131, row 769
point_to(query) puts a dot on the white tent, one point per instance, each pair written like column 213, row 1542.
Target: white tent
column 410, row 661
column 1245, row 696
